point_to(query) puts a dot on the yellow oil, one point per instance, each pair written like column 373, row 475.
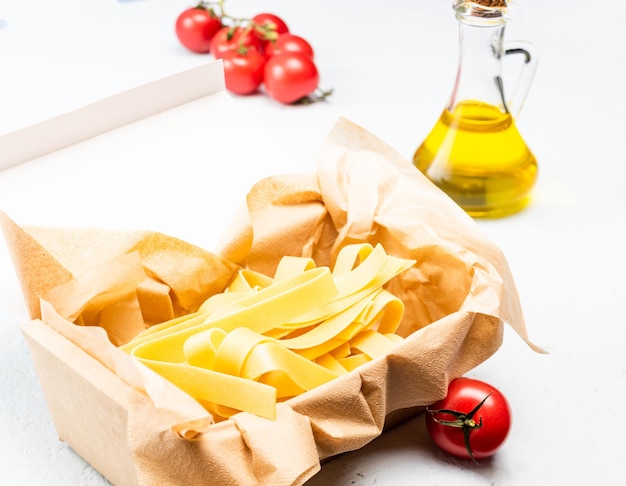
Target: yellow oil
column 476, row 155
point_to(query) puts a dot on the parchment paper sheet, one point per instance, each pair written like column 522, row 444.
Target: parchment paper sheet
column 99, row 288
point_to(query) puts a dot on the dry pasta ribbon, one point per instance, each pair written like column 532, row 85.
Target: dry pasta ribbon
column 266, row 339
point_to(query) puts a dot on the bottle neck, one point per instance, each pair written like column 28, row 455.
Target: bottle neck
column 479, row 75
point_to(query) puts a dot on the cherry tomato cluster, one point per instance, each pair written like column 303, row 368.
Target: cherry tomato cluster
column 258, row 51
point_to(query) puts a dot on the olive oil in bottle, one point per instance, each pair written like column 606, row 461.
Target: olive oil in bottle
column 477, row 156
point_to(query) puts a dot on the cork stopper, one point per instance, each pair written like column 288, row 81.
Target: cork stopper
column 481, row 9
column 492, row 3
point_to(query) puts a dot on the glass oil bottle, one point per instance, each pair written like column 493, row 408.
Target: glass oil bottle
column 475, row 152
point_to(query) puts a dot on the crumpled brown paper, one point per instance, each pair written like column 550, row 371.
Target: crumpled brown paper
column 113, row 284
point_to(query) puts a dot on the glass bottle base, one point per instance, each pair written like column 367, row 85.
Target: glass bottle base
column 495, row 212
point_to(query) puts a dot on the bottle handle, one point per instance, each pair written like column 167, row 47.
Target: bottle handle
column 516, row 101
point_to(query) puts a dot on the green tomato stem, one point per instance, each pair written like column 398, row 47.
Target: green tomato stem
column 316, row 96
column 464, row 421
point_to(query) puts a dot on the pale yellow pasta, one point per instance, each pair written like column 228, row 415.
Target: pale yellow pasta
column 266, row 339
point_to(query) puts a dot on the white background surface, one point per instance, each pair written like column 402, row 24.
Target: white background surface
column 392, row 65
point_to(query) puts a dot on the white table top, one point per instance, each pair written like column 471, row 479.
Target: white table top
column 392, row 65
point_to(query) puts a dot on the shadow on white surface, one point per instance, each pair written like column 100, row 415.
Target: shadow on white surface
column 402, row 452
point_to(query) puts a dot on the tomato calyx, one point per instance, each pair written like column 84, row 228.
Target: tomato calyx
column 242, row 26
column 314, row 97
column 202, row 5
column 231, row 34
column 463, row 420
column 267, row 32
column 216, row 8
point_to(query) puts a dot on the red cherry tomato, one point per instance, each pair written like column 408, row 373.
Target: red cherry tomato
column 272, row 22
column 243, row 70
column 195, row 27
column 473, row 421
column 231, row 38
column 291, row 43
column 290, row 76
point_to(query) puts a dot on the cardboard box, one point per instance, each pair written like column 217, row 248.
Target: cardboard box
column 91, row 420
column 26, row 144
column 111, row 424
